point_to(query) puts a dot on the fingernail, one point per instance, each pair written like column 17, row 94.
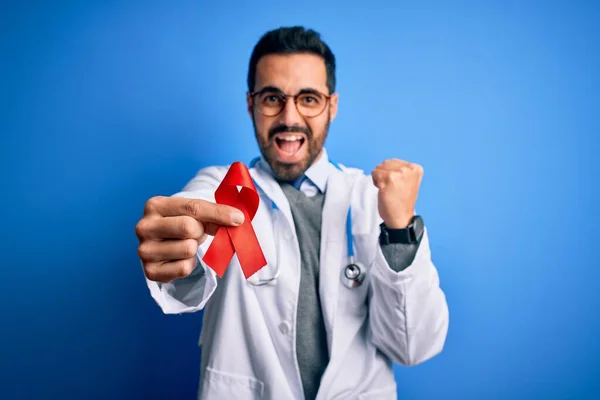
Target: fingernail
column 237, row 217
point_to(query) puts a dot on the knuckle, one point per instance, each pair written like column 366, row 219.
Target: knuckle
column 382, row 177
column 193, row 208
column 219, row 213
column 186, row 267
column 152, row 204
column 376, row 178
column 153, row 273
column 144, row 251
column 141, row 228
column 415, row 169
column 150, row 272
column 190, row 247
column 188, row 227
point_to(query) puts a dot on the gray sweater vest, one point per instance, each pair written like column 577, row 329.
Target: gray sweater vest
column 311, row 340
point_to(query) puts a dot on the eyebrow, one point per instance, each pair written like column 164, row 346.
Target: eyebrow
column 269, row 89
column 310, row 91
column 307, row 90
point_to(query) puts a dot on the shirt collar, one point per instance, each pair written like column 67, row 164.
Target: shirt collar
column 317, row 173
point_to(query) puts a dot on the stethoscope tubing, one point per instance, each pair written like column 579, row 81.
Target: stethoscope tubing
column 353, row 274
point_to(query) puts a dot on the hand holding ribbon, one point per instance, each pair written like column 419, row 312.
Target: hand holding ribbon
column 240, row 240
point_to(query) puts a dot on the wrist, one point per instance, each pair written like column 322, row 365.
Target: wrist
column 401, row 222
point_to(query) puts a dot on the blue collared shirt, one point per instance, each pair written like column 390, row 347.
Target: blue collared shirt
column 314, row 179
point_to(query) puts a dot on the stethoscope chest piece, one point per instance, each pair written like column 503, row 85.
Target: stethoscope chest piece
column 353, row 275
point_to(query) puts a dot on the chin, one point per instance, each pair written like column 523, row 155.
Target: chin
column 287, row 171
column 289, row 167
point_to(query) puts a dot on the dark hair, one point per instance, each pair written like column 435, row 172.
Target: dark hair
column 292, row 40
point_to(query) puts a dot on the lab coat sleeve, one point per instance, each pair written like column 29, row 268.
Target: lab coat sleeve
column 191, row 293
column 408, row 313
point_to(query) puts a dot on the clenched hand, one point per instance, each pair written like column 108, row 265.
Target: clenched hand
column 398, row 183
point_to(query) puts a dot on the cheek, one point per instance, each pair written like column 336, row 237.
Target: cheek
column 318, row 127
column 262, row 126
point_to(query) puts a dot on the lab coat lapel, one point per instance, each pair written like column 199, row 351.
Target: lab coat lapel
column 278, row 238
column 271, row 189
column 333, row 247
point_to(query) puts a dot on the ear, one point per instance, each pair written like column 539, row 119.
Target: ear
column 249, row 105
column 333, row 105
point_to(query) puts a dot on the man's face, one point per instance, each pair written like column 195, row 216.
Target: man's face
column 293, row 139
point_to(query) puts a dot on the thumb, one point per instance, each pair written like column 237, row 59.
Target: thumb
column 378, row 180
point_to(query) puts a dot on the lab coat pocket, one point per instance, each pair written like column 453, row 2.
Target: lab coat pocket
column 356, row 296
column 220, row 385
column 354, row 299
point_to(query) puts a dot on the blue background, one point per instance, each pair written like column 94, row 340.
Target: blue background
column 105, row 104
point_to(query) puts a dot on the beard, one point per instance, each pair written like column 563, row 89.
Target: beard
column 289, row 172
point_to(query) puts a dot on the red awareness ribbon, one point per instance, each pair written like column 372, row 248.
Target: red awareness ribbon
column 240, row 240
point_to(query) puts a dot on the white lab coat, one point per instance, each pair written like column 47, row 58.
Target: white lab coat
column 248, row 335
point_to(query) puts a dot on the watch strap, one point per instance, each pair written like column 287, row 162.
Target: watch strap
column 408, row 235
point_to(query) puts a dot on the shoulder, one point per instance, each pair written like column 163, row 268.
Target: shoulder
column 359, row 178
column 213, row 173
column 350, row 171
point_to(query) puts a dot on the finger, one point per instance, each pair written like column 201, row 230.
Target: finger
column 180, row 227
column 201, row 210
column 404, row 168
column 167, row 250
column 418, row 168
column 168, row 271
column 202, row 238
column 384, row 178
column 393, row 164
column 380, row 178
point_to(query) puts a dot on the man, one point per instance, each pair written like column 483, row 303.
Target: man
column 323, row 328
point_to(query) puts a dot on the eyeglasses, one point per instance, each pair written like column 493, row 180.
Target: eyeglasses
column 271, row 102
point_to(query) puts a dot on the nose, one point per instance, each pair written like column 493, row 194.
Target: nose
column 290, row 115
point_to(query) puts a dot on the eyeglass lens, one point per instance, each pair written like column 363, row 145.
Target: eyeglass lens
column 271, row 103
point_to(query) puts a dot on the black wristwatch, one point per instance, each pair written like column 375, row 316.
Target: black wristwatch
column 409, row 235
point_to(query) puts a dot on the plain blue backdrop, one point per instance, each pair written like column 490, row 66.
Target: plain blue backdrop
column 105, row 104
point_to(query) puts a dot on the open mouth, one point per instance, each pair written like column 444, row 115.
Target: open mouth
column 288, row 145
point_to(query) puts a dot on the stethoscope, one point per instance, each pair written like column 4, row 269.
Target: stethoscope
column 353, row 274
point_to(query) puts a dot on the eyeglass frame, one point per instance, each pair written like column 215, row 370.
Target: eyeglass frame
column 286, row 96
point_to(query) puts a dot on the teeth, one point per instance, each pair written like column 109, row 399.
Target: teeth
column 290, row 138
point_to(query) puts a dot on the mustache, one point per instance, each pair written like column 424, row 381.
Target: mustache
column 282, row 128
